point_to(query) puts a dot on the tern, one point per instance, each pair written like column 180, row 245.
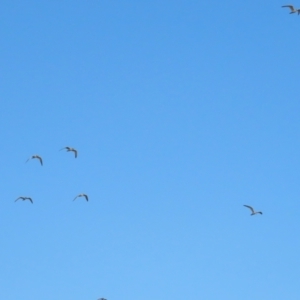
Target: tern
column 24, row 198
column 82, row 195
column 253, row 211
column 35, row 156
column 292, row 8
column 70, row 149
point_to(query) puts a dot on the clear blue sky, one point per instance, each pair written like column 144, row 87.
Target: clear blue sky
column 181, row 112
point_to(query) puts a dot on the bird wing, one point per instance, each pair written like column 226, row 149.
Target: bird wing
column 28, row 159
column 63, row 148
column 249, row 208
column 291, row 7
column 19, row 198
column 76, row 197
column 41, row 161
column 75, row 151
column 86, row 197
column 28, row 198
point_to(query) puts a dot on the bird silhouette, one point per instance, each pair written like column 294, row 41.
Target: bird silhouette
column 35, row 156
column 253, row 211
column 24, row 198
column 70, row 149
column 82, row 195
column 292, row 8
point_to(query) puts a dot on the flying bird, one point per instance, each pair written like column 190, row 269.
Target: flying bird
column 70, row 149
column 35, row 156
column 292, row 8
column 24, row 198
column 82, row 195
column 253, row 211
column 102, row 299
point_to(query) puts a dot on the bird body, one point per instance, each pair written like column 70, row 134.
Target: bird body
column 253, row 211
column 24, row 198
column 70, row 149
column 82, row 195
column 35, row 156
column 292, row 8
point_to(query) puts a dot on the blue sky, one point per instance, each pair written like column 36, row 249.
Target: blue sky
column 181, row 112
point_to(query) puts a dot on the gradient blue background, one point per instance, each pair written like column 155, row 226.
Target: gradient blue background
column 182, row 112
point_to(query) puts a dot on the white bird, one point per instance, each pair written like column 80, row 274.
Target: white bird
column 24, row 198
column 70, row 149
column 35, row 156
column 292, row 8
column 82, row 195
column 253, row 211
